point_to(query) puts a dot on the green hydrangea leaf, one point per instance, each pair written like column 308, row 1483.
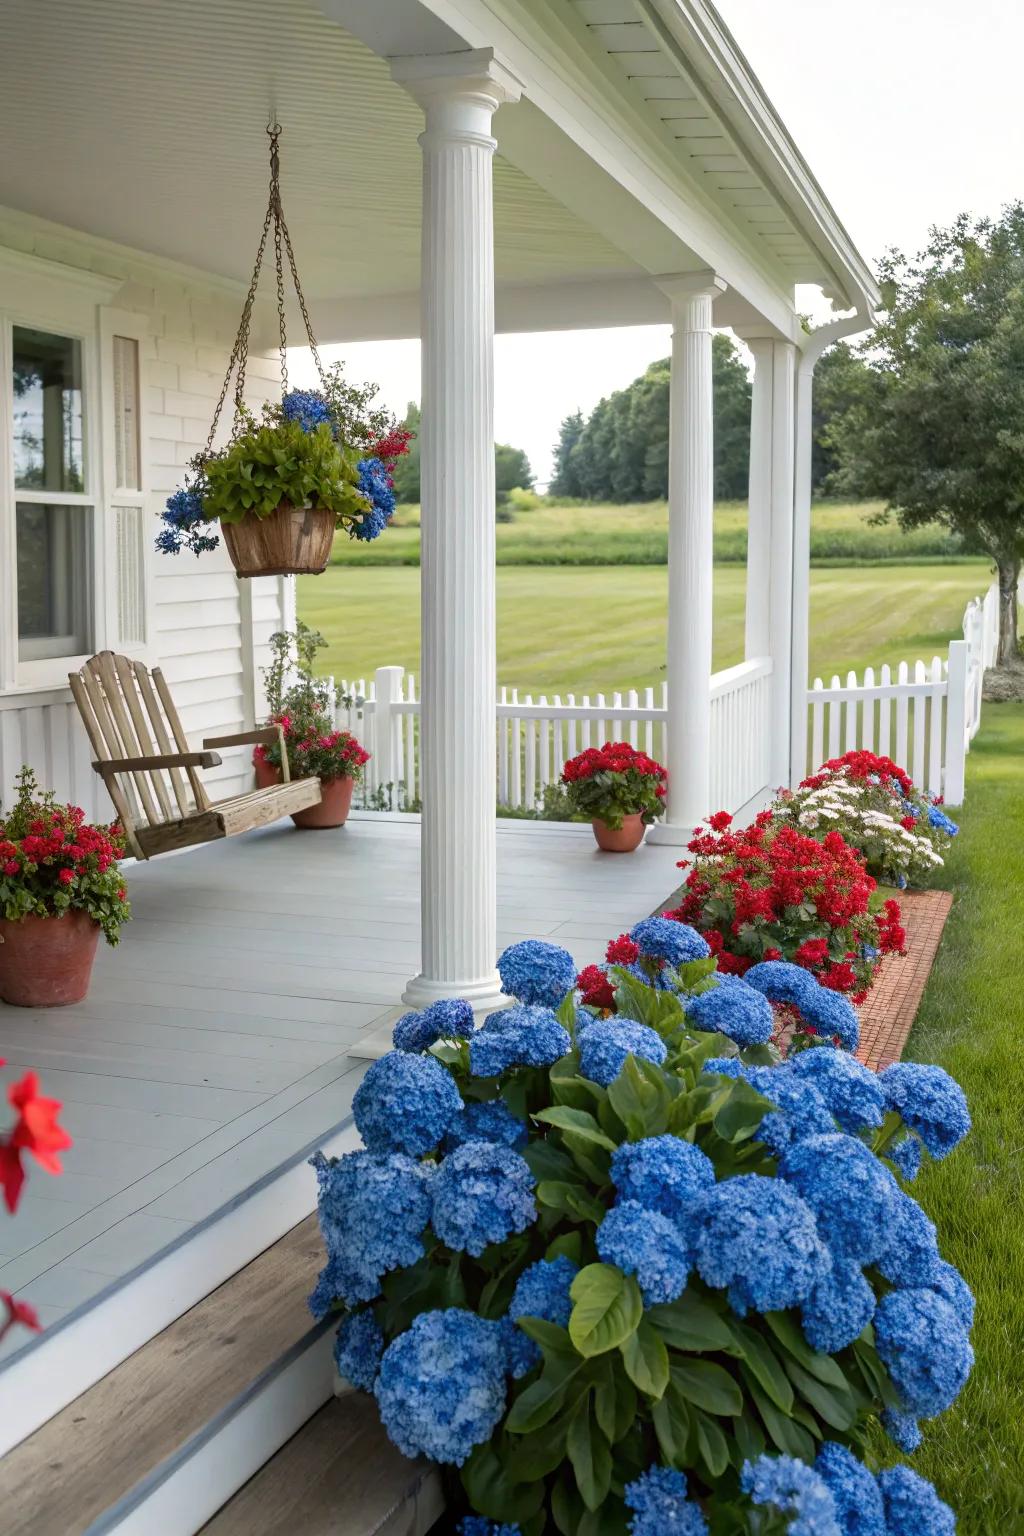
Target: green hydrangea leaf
column 607, row 1306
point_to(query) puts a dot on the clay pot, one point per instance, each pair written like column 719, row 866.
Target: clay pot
column 335, row 803
column 46, row 962
column 629, row 836
column 266, row 774
column 292, row 541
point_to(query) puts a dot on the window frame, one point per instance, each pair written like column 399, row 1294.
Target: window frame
column 63, row 301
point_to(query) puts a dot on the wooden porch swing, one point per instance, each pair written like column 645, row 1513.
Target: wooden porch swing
column 144, row 759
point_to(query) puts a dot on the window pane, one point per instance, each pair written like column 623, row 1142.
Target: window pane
column 47, row 412
column 54, row 581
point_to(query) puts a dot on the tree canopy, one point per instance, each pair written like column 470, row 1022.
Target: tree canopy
column 511, row 465
column 938, row 429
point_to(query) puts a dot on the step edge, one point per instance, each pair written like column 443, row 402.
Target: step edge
column 95, row 1339
column 314, row 1344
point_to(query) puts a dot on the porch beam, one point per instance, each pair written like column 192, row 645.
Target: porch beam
column 459, row 94
column 690, row 556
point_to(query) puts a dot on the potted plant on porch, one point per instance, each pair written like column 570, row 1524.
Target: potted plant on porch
column 60, row 887
column 620, row 789
column 304, row 709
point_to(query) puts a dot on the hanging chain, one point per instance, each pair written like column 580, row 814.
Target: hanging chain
column 240, row 351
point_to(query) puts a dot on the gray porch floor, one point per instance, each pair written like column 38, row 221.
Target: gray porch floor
column 214, row 1043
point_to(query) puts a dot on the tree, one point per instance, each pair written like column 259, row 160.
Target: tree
column 407, row 470
column 564, row 481
column 841, row 379
column 732, row 391
column 511, row 469
column 939, row 433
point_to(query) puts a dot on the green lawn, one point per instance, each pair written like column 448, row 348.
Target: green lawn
column 972, row 1023
column 599, row 534
column 580, row 630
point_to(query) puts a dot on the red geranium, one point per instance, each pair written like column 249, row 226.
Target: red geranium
column 596, row 991
column 614, row 781
column 866, row 766
column 769, row 892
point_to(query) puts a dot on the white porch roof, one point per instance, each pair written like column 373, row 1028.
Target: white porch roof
column 642, row 147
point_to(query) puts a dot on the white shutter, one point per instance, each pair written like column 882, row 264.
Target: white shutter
column 126, row 413
column 130, row 566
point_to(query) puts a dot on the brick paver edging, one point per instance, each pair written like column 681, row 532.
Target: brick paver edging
column 887, row 1016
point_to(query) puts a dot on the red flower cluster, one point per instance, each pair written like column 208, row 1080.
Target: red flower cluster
column 622, row 951
column 596, row 991
column 391, row 447
column 863, row 765
column 613, row 757
column 770, row 893
column 35, row 1130
column 314, row 751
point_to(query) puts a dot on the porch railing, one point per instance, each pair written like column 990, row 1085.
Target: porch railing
column 922, row 714
column 535, row 735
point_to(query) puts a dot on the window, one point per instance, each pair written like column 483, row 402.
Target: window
column 54, row 517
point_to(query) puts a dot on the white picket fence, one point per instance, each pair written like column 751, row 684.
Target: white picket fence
column 536, row 735
column 922, row 714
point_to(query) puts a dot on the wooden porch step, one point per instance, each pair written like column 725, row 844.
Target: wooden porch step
column 243, row 1363
column 339, row 1476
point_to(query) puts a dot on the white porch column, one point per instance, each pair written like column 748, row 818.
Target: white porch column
column 690, row 557
column 757, row 632
column 459, row 93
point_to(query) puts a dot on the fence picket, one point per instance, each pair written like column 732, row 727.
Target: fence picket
column 544, row 761
column 817, row 726
column 649, row 724
column 884, row 711
column 935, row 727
column 602, row 735
column 902, row 706
column 517, row 760
column 835, row 711
column 530, row 786
column 633, row 703
column 570, row 699
column 868, row 712
column 918, row 749
column 503, row 750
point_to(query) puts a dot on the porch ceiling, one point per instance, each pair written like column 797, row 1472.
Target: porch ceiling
column 142, row 122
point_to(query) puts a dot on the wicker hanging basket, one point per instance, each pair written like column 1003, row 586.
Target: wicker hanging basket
column 291, row 541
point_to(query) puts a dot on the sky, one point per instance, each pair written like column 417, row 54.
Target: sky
column 908, row 113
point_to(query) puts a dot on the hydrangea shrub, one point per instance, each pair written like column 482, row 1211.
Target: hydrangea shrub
column 623, row 1271
column 770, row 892
column 900, row 832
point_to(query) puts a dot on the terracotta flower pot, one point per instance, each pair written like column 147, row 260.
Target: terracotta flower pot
column 629, row 836
column 266, row 774
column 335, row 803
column 46, row 962
column 292, row 541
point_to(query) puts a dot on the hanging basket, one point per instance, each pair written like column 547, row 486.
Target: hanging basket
column 293, row 541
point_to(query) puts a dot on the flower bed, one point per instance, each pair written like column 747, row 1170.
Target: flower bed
column 629, row 1272
column 873, row 805
column 770, row 892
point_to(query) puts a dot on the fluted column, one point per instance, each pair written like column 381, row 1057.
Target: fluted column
column 459, row 94
column 690, row 557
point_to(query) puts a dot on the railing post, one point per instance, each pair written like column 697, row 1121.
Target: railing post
column 387, row 693
column 956, row 722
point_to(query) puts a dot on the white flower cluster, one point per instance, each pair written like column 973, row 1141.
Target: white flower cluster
column 856, row 810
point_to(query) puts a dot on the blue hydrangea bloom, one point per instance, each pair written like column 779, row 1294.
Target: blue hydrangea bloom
column 925, row 1348
column 851, row 1090
column 376, row 485
column 903, row 1429
column 526, row 1036
column 441, row 1385
column 734, row 1009
column 482, row 1193
column 663, row 1174
column 542, row 1290
column 306, row 406
column 793, row 1488
column 831, row 1015
column 662, row 938
column 802, row 1111
column 781, row 982
column 726, row 1066
column 930, row 1101
column 911, row 1253
column 606, row 1044
column 938, row 818
column 373, row 1212
column 358, row 1348
column 950, row 1283
column 858, row 1503
column 493, row 1121
column 852, row 1194
column 185, row 527
column 658, row 1499
column 756, row 1236
column 912, row 1507
column 450, row 1018
column 538, row 973
column 479, row 1525
column 906, row 1154
column 405, row 1103
column 838, row 1309
column 647, row 1245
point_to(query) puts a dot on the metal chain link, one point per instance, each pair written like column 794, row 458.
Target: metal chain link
column 240, row 351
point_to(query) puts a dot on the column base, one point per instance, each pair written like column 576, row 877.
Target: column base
column 670, row 834
column 484, row 995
